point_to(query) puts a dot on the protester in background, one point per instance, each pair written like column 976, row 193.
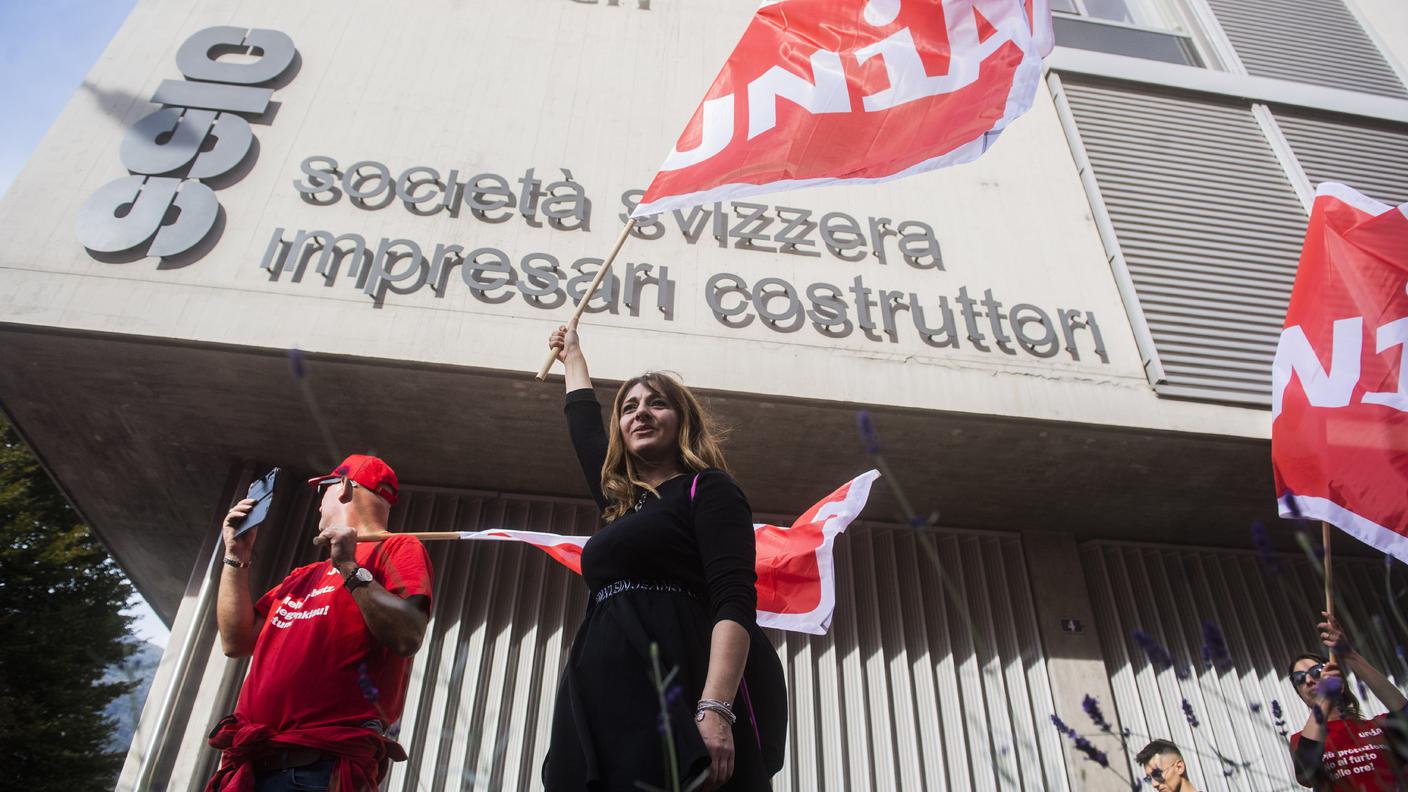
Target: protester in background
column 332, row 645
column 1338, row 749
column 672, row 572
column 1164, row 767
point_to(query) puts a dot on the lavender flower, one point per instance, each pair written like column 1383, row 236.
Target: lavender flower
column 295, row 362
column 673, row 695
column 1330, row 687
column 1188, row 713
column 364, row 681
column 868, row 436
column 1092, row 708
column 1215, row 654
column 1081, row 744
column 1280, row 718
column 1256, row 707
column 1265, row 556
column 1158, row 656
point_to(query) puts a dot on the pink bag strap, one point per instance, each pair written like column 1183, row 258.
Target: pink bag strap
column 694, row 486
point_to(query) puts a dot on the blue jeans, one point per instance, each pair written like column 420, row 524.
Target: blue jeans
column 308, row 778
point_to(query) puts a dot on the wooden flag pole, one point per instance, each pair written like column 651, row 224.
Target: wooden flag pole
column 1329, row 579
column 424, row 536
column 591, row 291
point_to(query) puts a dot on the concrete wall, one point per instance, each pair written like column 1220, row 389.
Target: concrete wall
column 602, row 90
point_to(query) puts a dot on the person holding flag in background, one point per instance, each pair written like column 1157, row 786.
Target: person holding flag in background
column 1339, row 450
column 673, row 599
column 331, row 644
column 1339, row 750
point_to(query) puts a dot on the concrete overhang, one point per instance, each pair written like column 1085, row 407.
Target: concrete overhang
column 142, row 434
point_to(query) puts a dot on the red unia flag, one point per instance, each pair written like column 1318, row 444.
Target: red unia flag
column 823, row 91
column 1339, row 386
column 796, row 578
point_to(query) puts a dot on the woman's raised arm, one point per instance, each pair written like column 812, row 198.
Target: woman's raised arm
column 583, row 412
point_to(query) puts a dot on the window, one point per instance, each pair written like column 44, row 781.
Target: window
column 1128, row 12
column 1134, row 28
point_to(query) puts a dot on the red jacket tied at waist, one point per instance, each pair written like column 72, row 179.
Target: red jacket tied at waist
column 363, row 754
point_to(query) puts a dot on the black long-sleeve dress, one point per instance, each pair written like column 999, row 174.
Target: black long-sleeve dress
column 665, row 573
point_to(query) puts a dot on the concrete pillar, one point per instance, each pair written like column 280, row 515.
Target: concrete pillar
column 1075, row 662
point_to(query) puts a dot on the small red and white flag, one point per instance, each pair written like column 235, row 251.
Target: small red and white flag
column 1339, row 384
column 856, row 91
column 796, row 577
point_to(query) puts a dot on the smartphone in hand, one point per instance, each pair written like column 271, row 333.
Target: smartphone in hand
column 262, row 491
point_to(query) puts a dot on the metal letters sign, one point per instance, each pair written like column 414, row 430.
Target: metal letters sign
column 200, row 133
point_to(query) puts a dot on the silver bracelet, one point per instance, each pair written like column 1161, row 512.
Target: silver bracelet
column 723, row 709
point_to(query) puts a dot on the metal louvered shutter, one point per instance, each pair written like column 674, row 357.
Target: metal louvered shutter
column 919, row 685
column 1209, row 227
column 900, row 694
column 1312, row 41
column 1372, row 159
column 1266, row 617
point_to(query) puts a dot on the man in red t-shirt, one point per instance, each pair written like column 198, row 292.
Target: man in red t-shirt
column 331, row 645
column 1338, row 750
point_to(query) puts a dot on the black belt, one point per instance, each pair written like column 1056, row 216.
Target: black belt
column 612, row 589
column 287, row 758
column 291, row 756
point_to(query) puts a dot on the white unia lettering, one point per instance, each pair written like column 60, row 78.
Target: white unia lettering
column 1294, row 355
column 827, row 92
column 827, row 95
column 1393, row 334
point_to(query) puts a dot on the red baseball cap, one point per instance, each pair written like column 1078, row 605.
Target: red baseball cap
column 368, row 471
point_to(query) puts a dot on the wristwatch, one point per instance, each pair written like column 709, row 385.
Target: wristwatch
column 357, row 579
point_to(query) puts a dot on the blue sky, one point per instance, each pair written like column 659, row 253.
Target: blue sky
column 46, row 48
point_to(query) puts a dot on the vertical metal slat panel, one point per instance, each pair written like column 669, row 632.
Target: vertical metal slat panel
column 1312, row 41
column 999, row 737
column 941, row 647
column 1266, row 618
column 969, row 671
column 900, row 694
column 1209, row 226
column 1371, row 158
column 929, row 753
column 1048, row 748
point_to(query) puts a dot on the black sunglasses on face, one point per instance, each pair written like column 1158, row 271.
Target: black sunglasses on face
column 329, row 482
column 1298, row 677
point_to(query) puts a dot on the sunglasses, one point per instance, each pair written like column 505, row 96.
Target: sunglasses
column 1298, row 677
column 323, row 484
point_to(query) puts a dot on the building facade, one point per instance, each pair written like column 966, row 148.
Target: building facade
column 1065, row 348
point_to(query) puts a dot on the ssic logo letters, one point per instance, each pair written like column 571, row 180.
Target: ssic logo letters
column 201, row 132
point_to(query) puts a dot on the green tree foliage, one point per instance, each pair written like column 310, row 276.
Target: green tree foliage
column 61, row 626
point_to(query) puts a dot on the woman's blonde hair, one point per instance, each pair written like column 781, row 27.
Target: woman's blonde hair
column 699, row 442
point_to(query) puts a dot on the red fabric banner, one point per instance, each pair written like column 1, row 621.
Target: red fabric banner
column 796, row 579
column 821, row 91
column 1339, row 385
